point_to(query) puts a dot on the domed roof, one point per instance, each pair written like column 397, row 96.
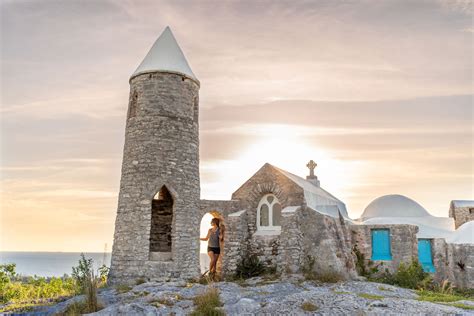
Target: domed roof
column 463, row 235
column 393, row 205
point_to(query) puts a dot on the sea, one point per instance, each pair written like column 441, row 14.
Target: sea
column 49, row 264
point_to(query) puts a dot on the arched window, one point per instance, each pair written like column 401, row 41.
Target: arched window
column 161, row 220
column 269, row 213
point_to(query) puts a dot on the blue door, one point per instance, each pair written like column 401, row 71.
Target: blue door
column 424, row 255
column 381, row 244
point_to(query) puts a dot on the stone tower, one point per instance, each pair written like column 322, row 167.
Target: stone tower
column 157, row 224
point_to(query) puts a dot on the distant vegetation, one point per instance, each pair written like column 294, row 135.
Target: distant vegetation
column 19, row 293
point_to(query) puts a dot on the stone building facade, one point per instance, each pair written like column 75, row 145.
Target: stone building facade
column 291, row 224
column 462, row 211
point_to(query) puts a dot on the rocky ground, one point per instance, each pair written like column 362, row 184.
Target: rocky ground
column 260, row 296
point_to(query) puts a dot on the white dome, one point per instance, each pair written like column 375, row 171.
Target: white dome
column 393, row 205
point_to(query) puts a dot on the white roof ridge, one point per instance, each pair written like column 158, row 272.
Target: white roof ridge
column 165, row 55
column 308, row 182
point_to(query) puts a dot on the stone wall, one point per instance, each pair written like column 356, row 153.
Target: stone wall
column 266, row 245
column 403, row 244
column 308, row 235
column 236, row 241
column 223, row 207
column 267, row 180
column 454, row 262
column 461, row 262
column 461, row 215
column 161, row 149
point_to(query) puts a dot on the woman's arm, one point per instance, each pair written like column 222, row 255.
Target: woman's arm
column 207, row 237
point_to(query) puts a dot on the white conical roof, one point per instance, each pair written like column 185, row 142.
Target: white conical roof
column 165, row 55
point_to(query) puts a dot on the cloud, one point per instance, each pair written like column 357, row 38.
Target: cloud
column 379, row 92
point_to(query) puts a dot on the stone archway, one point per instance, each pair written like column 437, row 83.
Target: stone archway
column 204, row 227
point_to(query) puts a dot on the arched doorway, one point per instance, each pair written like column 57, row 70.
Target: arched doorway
column 160, row 228
column 205, row 226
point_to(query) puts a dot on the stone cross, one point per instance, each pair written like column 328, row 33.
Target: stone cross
column 311, row 165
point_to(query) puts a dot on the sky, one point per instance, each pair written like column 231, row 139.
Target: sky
column 378, row 93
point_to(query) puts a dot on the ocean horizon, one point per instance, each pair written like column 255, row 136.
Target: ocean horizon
column 49, row 264
column 57, row 264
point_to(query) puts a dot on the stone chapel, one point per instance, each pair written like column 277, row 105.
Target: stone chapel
column 283, row 219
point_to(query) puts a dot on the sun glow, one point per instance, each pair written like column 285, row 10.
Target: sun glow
column 285, row 147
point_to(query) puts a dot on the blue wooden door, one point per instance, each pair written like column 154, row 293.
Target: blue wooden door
column 425, row 256
column 381, row 244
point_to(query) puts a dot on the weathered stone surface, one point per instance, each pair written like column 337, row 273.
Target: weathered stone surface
column 461, row 214
column 161, row 149
column 259, row 296
column 403, row 244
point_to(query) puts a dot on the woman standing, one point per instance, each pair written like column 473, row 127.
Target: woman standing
column 214, row 236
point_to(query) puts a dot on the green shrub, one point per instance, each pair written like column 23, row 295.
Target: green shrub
column 207, row 303
column 82, row 273
column 249, row 267
column 409, row 276
column 367, row 270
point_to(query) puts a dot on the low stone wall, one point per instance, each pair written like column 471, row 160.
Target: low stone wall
column 236, row 241
column 308, row 235
column 454, row 262
column 403, row 244
column 223, row 207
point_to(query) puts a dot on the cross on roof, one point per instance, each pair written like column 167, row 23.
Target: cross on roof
column 311, row 165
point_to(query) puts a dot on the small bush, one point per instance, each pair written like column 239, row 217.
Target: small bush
column 207, row 303
column 409, row 276
column 249, row 267
column 82, row 272
column 366, row 270
column 90, row 292
column 309, row 307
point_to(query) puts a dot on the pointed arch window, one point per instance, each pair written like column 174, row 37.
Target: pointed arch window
column 269, row 213
column 161, row 221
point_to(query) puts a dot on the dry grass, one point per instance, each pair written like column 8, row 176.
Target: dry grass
column 309, row 307
column 208, row 303
column 370, row 296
